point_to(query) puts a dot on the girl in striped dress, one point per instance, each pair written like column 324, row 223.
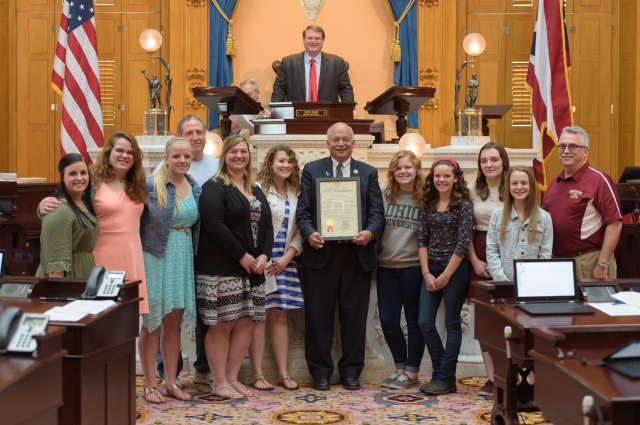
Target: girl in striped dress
column 279, row 177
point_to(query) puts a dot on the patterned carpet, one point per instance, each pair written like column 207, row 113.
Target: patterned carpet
column 372, row 405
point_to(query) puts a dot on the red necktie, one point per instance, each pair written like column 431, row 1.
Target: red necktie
column 313, row 89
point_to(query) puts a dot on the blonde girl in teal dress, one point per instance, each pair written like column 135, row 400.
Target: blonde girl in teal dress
column 169, row 233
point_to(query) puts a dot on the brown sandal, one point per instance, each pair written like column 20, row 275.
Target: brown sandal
column 257, row 378
column 170, row 391
column 282, row 378
column 154, row 391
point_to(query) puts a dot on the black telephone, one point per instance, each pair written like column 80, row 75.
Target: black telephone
column 17, row 330
column 103, row 283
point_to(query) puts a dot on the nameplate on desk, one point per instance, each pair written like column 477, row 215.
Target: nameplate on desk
column 16, row 290
column 311, row 113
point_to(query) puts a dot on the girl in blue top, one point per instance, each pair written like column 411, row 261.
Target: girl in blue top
column 519, row 230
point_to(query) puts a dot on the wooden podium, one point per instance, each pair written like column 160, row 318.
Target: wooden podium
column 400, row 101
column 491, row 112
column 310, row 118
column 230, row 100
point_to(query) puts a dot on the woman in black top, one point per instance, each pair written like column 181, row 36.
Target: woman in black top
column 236, row 238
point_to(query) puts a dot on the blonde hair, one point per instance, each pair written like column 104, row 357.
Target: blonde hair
column 265, row 175
column 392, row 189
column 223, row 171
column 531, row 211
column 160, row 177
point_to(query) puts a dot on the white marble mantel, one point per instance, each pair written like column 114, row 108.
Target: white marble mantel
column 378, row 363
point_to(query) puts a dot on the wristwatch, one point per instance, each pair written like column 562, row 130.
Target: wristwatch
column 603, row 265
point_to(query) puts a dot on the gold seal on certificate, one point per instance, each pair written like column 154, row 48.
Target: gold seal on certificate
column 338, row 203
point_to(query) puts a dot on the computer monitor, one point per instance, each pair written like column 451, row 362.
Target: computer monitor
column 629, row 174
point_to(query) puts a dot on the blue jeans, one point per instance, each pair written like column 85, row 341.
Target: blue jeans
column 444, row 359
column 397, row 288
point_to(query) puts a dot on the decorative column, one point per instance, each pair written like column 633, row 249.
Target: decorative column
column 438, row 46
column 187, row 25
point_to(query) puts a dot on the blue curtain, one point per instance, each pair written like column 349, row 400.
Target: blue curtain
column 220, row 65
column 406, row 72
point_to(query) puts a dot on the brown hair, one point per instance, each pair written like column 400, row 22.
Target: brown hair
column 315, row 28
column 265, row 175
column 392, row 189
column 530, row 207
column 459, row 191
column 482, row 188
column 102, row 172
column 223, row 170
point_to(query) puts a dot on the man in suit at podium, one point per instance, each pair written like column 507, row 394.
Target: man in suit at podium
column 338, row 270
column 312, row 75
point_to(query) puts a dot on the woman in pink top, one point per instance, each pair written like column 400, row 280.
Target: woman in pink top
column 119, row 193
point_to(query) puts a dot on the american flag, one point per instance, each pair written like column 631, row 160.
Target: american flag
column 548, row 79
column 76, row 78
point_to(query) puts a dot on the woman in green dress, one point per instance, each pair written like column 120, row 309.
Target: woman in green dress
column 69, row 232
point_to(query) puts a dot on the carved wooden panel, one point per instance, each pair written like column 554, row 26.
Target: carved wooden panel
column 486, row 6
column 141, row 6
column 521, row 6
column 490, row 66
column 591, row 84
column 135, row 92
column 36, row 5
column 626, row 109
column 592, row 6
column 35, row 117
column 5, row 84
column 109, row 57
column 517, row 123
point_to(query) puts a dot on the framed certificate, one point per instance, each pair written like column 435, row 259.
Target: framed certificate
column 338, row 203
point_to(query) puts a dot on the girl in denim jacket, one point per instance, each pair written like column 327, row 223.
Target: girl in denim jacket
column 524, row 231
column 169, row 232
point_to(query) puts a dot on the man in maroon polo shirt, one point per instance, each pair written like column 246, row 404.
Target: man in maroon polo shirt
column 585, row 209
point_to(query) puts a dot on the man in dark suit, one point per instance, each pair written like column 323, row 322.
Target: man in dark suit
column 338, row 271
column 294, row 82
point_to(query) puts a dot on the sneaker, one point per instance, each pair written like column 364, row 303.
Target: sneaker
column 439, row 389
column 487, row 390
column 403, row 382
column 202, row 378
column 389, row 380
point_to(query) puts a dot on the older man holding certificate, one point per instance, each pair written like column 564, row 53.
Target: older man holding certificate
column 340, row 215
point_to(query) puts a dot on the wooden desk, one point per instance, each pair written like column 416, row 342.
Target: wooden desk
column 99, row 369
column 31, row 385
column 491, row 317
column 20, row 225
column 558, row 355
column 494, row 291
